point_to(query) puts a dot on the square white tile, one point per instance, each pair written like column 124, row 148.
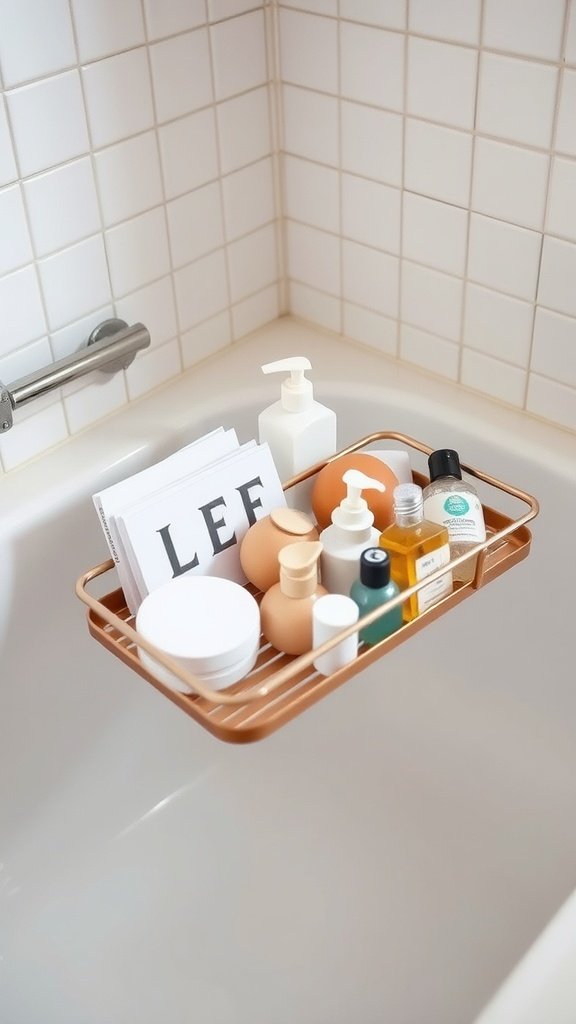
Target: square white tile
column 34, row 435
column 154, row 306
column 255, row 311
column 313, row 257
column 504, row 256
column 62, row 206
column 169, row 17
column 498, row 325
column 431, row 300
column 566, row 126
column 510, row 183
column 201, row 289
column 372, row 143
column 329, row 7
column 516, row 99
column 312, row 194
column 248, row 197
column 181, row 74
column 310, row 124
column 380, row 332
column 437, row 162
column 253, row 262
column 309, row 50
column 8, row 170
column 118, row 97
column 456, row 20
column 220, row 9
column 152, row 368
column 557, row 275
column 437, row 355
column 188, row 152
column 239, row 54
column 561, row 218
column 138, row 251
column 195, row 224
column 493, row 377
column 35, row 109
column 244, row 129
column 370, row 278
column 129, row 178
column 530, row 27
column 104, row 27
column 314, row 306
column 552, row 401
column 371, row 65
column 36, row 39
column 15, row 247
column 75, row 281
column 94, row 401
column 22, row 313
column 434, row 233
column 441, row 82
column 371, row 213
column 384, row 13
column 554, row 347
column 210, row 337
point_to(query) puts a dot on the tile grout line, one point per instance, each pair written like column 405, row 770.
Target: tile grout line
column 276, row 124
column 551, row 159
column 340, row 150
column 461, row 346
column 402, row 183
column 164, row 204
column 220, row 185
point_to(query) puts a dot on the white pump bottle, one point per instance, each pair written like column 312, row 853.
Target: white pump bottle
column 299, row 431
column 352, row 531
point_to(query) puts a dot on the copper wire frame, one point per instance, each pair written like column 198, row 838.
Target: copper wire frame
column 281, row 686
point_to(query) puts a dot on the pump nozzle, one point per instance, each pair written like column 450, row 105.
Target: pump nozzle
column 353, row 512
column 296, row 392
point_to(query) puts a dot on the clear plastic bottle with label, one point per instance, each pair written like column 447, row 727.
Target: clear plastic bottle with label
column 452, row 502
column 417, row 548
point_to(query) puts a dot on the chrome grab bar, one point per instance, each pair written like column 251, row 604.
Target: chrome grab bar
column 112, row 346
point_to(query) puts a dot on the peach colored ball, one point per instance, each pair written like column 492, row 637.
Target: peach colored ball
column 329, row 488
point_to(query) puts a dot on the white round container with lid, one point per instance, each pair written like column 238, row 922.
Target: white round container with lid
column 210, row 625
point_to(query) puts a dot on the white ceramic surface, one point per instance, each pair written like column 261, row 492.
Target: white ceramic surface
column 388, row 856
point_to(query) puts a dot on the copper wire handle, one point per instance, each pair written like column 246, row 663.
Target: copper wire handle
column 261, row 684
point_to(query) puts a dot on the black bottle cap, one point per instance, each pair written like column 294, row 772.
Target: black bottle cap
column 444, row 462
column 375, row 568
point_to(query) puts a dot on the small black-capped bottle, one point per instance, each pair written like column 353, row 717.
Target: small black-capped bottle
column 375, row 588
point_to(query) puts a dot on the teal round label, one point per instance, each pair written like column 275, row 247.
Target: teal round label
column 456, row 505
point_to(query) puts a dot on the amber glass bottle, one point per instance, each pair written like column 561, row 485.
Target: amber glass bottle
column 417, row 548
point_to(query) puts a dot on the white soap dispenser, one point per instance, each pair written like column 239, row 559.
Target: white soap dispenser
column 352, row 531
column 299, row 431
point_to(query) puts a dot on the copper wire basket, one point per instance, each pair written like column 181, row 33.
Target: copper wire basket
column 280, row 686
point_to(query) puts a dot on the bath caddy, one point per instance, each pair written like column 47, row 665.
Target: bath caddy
column 280, row 687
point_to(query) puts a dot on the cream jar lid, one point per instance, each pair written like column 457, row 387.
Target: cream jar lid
column 205, row 622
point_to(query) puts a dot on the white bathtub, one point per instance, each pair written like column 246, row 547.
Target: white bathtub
column 386, row 857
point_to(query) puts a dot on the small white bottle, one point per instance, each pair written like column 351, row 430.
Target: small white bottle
column 454, row 503
column 352, row 531
column 299, row 430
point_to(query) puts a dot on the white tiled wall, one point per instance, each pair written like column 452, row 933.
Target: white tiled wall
column 430, row 185
column 410, row 164
column 138, row 178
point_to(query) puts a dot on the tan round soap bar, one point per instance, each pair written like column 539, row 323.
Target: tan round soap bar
column 261, row 544
column 330, row 489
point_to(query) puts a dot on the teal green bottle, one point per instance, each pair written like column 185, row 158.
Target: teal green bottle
column 373, row 589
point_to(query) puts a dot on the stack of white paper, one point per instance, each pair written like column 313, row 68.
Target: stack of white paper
column 188, row 513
